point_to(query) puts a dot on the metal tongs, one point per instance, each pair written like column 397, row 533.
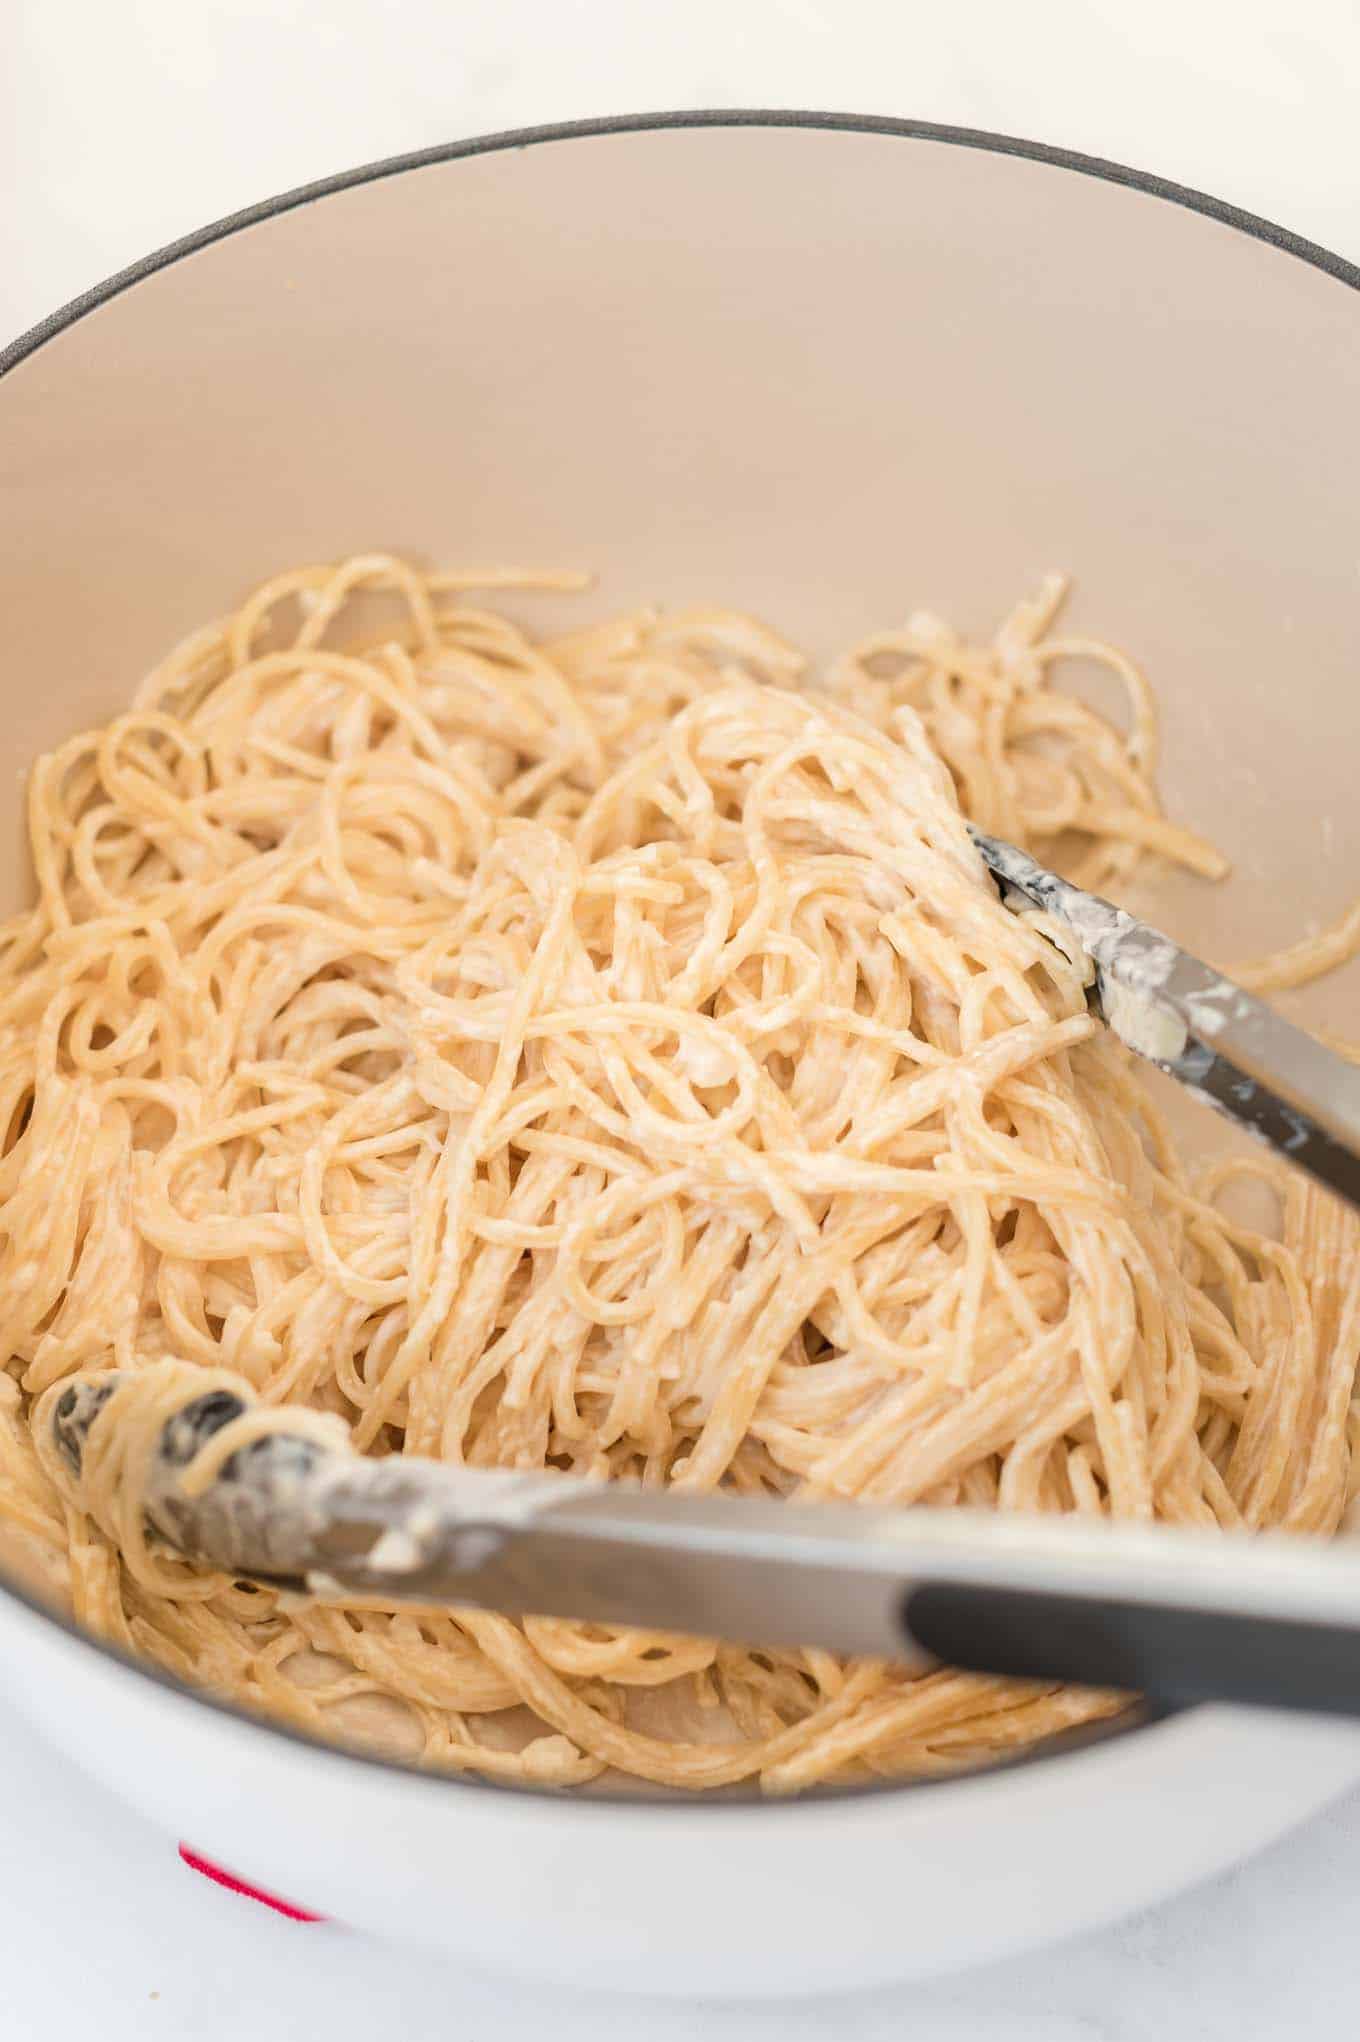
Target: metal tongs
column 1181, row 1616
column 1175, row 1614
column 1226, row 1047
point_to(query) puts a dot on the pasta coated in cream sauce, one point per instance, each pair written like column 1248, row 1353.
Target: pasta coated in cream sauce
column 607, row 1052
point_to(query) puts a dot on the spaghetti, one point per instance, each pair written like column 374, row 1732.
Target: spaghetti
column 608, row 1053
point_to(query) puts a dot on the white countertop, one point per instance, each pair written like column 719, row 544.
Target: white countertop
column 123, row 126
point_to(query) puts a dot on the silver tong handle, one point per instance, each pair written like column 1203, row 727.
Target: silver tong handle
column 1183, row 1616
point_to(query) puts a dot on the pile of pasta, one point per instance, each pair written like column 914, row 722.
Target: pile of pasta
column 606, row 1052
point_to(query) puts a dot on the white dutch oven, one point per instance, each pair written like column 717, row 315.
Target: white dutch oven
column 829, row 370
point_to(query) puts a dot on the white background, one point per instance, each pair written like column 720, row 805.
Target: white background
column 124, row 123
